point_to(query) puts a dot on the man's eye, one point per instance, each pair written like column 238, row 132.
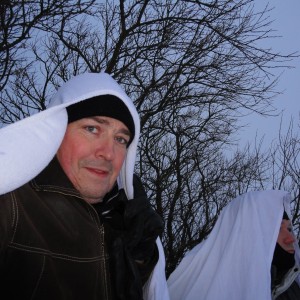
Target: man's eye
column 122, row 140
column 91, row 129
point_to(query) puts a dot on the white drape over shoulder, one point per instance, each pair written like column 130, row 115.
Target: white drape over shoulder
column 234, row 261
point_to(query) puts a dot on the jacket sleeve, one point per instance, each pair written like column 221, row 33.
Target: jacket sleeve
column 144, row 226
column 133, row 248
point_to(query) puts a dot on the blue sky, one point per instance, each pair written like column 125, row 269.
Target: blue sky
column 287, row 25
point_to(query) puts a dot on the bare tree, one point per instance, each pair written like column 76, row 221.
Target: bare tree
column 22, row 23
column 192, row 68
column 285, row 168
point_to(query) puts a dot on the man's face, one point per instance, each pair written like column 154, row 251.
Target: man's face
column 92, row 153
column 286, row 237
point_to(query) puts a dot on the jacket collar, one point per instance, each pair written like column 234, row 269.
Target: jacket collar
column 54, row 179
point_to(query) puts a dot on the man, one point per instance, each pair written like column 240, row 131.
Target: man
column 234, row 262
column 68, row 230
column 284, row 269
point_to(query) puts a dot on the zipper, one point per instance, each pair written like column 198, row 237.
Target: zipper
column 94, row 215
column 106, row 273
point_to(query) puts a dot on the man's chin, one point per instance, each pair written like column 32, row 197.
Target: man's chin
column 93, row 200
column 93, row 197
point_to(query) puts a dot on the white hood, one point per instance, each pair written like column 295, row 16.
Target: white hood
column 27, row 146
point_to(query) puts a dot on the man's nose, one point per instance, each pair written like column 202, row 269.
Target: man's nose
column 290, row 238
column 105, row 148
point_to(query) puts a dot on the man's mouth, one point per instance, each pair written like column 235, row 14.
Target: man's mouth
column 98, row 172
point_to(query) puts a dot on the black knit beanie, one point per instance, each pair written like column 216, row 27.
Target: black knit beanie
column 285, row 216
column 104, row 105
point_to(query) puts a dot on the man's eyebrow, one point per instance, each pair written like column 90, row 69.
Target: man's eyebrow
column 106, row 122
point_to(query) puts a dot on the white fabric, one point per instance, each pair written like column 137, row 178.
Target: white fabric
column 234, row 261
column 156, row 288
column 27, row 146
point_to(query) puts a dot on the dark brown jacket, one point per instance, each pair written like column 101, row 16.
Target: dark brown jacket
column 51, row 243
